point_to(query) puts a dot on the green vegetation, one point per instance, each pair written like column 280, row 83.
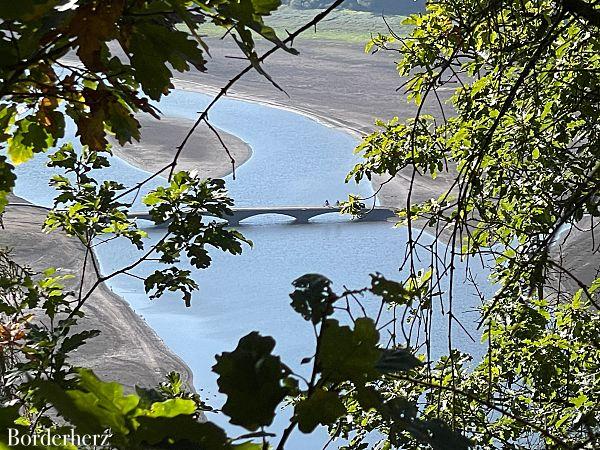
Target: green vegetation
column 522, row 146
column 341, row 25
column 524, row 152
column 402, row 7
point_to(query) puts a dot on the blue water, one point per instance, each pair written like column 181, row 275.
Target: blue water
column 295, row 161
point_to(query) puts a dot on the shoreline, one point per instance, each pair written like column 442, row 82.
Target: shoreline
column 209, row 158
column 330, row 122
column 397, row 191
column 336, row 84
column 127, row 350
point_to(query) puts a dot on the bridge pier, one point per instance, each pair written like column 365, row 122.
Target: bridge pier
column 302, row 218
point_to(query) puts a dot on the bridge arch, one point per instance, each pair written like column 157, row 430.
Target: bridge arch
column 323, row 217
column 259, row 217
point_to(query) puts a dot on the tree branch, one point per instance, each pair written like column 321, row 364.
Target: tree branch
column 583, row 10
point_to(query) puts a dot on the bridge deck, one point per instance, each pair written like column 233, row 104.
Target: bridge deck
column 301, row 214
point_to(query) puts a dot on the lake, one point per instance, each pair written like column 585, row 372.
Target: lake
column 296, row 161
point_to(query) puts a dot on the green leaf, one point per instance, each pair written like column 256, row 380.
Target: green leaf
column 368, row 397
column 153, row 46
column 172, row 407
column 390, row 291
column 17, row 151
column 399, row 360
column 93, row 24
column 122, row 123
column 7, row 181
column 441, row 437
column 182, row 431
column 110, row 395
column 349, row 355
column 313, row 297
column 579, row 401
column 322, row 407
column 265, row 7
column 479, row 85
column 77, row 340
column 94, row 406
column 252, row 379
column 8, row 416
column 26, row 9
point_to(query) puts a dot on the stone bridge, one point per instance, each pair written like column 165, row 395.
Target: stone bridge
column 300, row 214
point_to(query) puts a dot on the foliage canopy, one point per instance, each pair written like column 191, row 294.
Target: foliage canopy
column 522, row 145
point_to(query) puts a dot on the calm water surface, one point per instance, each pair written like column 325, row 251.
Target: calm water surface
column 295, row 161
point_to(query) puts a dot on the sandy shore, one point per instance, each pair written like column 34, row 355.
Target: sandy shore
column 578, row 251
column 203, row 152
column 127, row 350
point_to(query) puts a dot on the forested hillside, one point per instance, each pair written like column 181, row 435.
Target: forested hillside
column 402, row 7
